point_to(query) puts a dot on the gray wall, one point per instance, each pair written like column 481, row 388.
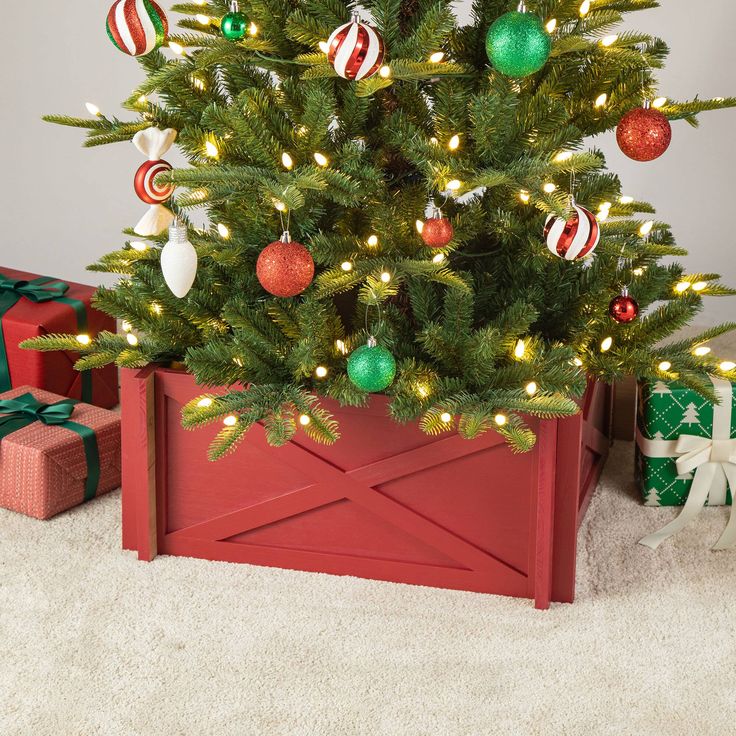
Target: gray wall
column 62, row 207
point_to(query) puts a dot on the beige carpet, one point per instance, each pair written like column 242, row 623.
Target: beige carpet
column 94, row 642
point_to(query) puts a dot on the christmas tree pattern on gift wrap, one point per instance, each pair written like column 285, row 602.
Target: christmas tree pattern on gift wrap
column 666, row 411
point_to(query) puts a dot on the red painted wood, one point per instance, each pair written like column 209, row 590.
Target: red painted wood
column 386, row 502
column 547, row 441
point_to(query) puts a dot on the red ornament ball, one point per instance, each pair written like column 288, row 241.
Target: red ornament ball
column 285, row 268
column 355, row 50
column 644, row 134
column 146, row 187
column 437, row 232
column 624, row 309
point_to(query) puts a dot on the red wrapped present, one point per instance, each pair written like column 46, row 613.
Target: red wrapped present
column 55, row 453
column 31, row 306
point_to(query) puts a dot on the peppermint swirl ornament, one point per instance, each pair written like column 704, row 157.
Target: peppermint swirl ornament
column 137, row 27
column 355, row 50
column 575, row 237
column 145, row 182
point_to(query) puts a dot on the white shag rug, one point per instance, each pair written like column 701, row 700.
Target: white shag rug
column 94, row 642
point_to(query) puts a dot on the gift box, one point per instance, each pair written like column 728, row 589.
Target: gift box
column 686, row 452
column 31, row 306
column 55, row 453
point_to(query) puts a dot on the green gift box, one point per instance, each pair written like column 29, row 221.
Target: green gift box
column 686, row 452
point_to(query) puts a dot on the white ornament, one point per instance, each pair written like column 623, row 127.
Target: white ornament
column 179, row 261
column 153, row 143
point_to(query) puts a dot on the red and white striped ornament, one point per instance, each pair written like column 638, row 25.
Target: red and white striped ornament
column 147, row 188
column 356, row 50
column 575, row 237
column 137, row 27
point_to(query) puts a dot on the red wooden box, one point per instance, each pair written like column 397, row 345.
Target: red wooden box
column 385, row 502
column 55, row 372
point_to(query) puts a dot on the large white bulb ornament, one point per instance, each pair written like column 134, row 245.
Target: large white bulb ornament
column 179, row 261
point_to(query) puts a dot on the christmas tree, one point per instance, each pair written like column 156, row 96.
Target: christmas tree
column 412, row 165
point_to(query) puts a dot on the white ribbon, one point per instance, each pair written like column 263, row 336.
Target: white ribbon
column 153, row 143
column 714, row 462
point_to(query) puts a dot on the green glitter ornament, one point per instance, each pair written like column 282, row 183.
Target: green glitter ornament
column 234, row 24
column 518, row 44
column 371, row 367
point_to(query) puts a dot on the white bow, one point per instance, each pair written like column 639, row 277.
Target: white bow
column 714, row 462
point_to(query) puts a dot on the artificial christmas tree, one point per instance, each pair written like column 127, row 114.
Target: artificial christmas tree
column 345, row 133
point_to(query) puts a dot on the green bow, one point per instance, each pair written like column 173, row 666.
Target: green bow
column 42, row 289
column 25, row 409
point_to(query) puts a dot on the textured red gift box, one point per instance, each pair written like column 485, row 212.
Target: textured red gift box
column 43, row 467
column 55, row 371
column 385, row 502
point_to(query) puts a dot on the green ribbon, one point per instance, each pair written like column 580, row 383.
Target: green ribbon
column 42, row 289
column 25, row 409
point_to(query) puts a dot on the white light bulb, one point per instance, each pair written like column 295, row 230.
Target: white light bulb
column 304, row 420
column 601, row 100
column 563, row 156
column 646, row 228
column 531, row 388
column 176, row 48
column 253, row 29
column 727, row 366
column 700, row 285
column 140, row 247
column 439, row 258
column 453, row 185
column 346, row 266
column 606, row 344
column 132, row 339
column 454, row 143
column 520, row 349
column 385, row 71
column 549, row 187
column 659, row 102
column 682, row 287
column 420, row 226
column 524, row 196
column 92, row 109
column 626, row 200
column 179, row 261
column 551, row 25
column 446, row 417
column 84, row 339
column 211, row 149
column 702, row 351
column 501, row 419
column 204, row 403
column 223, row 230
column 437, row 57
column 585, row 8
column 385, row 277
column 665, row 365
column 203, row 20
column 373, row 241
column 609, row 41
column 230, row 421
column 321, row 159
column 320, row 371
column 323, row 47
column 287, row 160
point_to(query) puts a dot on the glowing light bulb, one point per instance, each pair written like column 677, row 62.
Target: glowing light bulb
column 665, row 365
column 321, row 159
column 127, row 327
column 609, row 40
column 585, row 8
column 702, row 351
column 385, row 71
column 224, row 230
column 205, row 402
column 638, row 272
column 324, row 47
column 341, row 347
column 253, row 29
column 176, row 48
column 320, row 371
column 230, row 421
column 434, row 141
column 346, row 266
column 531, row 388
column 520, row 349
column 420, row 226
column 304, row 420
column 142, row 100
column 92, row 109
column 551, row 25
column 453, row 185
column 439, row 258
column 727, row 366
column 524, row 196
column 287, row 161
column 605, row 206
column 437, row 57
column 606, row 344
column 601, row 100
column 446, row 417
column 700, row 285
column 385, row 277
column 549, row 187
column 626, row 200
column 198, row 84
column 279, row 205
column 454, row 143
column 501, row 419
column 563, row 156
column 140, row 247
column 373, row 241
column 603, row 215
column 156, row 308
column 422, row 390
column 203, row 19
column 659, row 102
column 211, row 149
column 682, row 287
column 578, row 362
column 132, row 339
column 84, row 339
column 646, row 228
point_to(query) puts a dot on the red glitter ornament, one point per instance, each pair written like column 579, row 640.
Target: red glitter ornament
column 437, row 232
column 644, row 133
column 623, row 308
column 285, row 268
